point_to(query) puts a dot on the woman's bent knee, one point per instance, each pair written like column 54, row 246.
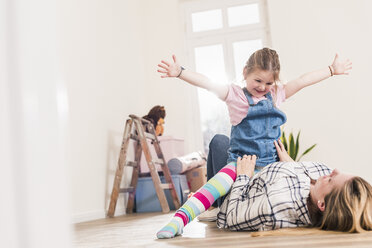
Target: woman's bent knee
column 219, row 140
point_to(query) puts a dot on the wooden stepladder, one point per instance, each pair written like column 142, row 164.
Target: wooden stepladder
column 140, row 130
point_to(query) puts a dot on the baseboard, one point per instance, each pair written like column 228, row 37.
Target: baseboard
column 94, row 215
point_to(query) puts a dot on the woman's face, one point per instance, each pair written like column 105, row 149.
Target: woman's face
column 325, row 184
column 259, row 82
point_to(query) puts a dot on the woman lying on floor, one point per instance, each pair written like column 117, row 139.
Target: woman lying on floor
column 283, row 194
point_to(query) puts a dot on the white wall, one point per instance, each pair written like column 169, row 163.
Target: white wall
column 337, row 113
column 164, row 36
column 103, row 67
column 110, row 51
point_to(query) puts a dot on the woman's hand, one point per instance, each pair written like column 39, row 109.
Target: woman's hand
column 245, row 165
column 341, row 67
column 169, row 69
column 282, row 153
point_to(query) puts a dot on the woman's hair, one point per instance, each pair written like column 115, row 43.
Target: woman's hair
column 347, row 209
column 264, row 59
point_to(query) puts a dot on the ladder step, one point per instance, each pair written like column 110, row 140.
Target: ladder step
column 132, row 164
column 127, row 190
column 166, row 186
column 144, row 121
column 157, row 161
column 150, row 136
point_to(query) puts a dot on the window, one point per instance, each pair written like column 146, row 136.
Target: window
column 206, row 20
column 221, row 35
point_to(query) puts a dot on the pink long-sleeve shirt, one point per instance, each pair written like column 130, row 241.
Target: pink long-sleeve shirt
column 237, row 102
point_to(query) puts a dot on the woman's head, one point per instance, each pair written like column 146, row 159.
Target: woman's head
column 326, row 184
column 348, row 207
column 261, row 71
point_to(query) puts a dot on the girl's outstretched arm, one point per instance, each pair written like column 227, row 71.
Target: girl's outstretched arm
column 174, row 69
column 338, row 67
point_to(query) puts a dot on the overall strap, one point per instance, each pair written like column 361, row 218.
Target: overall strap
column 268, row 96
column 270, row 99
column 249, row 98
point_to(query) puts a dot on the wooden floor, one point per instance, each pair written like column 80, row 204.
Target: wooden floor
column 138, row 230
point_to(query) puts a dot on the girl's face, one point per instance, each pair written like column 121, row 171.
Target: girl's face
column 259, row 82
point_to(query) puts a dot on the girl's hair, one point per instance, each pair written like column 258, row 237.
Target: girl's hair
column 347, row 209
column 264, row 59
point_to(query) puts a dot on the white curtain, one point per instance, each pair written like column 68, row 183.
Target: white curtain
column 34, row 205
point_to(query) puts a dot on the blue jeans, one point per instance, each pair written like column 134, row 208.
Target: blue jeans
column 217, row 159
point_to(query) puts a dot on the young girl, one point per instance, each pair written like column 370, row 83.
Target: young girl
column 255, row 120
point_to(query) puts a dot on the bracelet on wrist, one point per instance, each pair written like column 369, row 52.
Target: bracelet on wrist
column 331, row 70
column 181, row 71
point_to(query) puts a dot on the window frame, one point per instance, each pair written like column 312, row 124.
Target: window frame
column 226, row 35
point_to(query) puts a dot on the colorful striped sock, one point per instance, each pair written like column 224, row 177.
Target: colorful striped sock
column 173, row 228
column 217, row 186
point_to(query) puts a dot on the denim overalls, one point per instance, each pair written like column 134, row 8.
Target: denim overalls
column 256, row 133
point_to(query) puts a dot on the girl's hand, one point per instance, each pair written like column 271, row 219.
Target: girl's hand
column 245, row 165
column 341, row 67
column 282, row 153
column 169, row 69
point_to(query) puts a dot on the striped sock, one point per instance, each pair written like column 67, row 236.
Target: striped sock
column 173, row 228
column 217, row 186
